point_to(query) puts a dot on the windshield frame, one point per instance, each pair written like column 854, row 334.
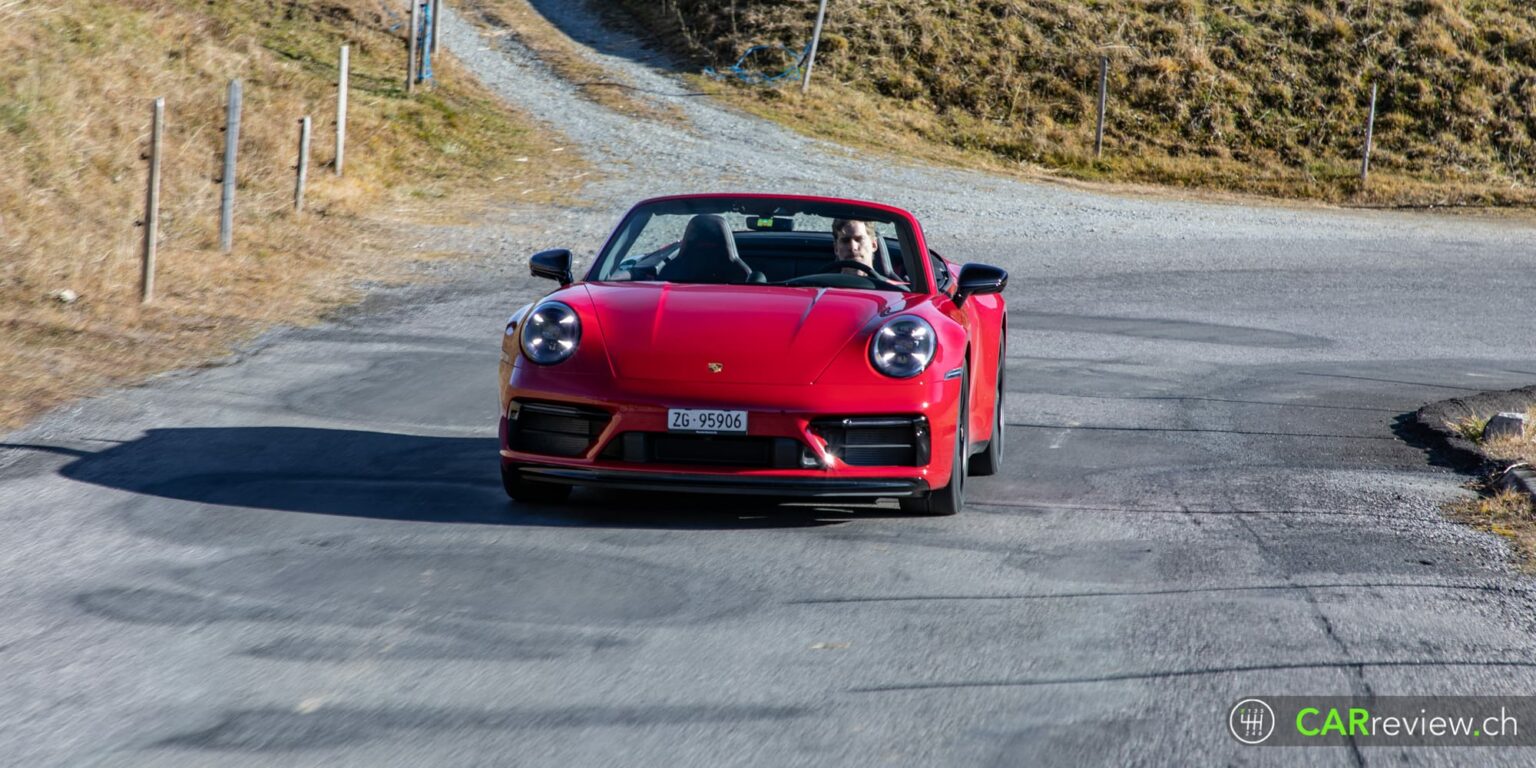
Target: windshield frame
column 923, row 278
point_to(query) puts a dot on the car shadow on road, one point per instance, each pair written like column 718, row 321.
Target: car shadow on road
column 394, row 477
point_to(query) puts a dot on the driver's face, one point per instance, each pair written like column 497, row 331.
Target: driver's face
column 853, row 242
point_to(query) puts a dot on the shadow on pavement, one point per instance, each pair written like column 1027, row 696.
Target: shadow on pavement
column 399, row 477
column 1408, row 428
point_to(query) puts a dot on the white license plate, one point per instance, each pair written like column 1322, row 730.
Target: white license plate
column 706, row 420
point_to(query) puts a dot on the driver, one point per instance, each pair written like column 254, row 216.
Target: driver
column 854, row 240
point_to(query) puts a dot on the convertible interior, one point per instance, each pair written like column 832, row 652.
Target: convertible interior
column 711, row 252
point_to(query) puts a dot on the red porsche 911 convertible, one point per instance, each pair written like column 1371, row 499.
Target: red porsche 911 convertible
column 771, row 345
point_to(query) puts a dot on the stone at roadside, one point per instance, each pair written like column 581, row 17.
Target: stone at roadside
column 1505, row 426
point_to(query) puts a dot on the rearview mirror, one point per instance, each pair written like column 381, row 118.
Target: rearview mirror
column 554, row 264
column 976, row 279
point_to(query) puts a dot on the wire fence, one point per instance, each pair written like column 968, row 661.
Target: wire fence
column 1125, row 105
column 420, row 43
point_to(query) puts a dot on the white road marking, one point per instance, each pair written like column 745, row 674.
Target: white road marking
column 1061, row 436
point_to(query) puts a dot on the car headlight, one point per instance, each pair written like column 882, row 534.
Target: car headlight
column 550, row 333
column 903, row 347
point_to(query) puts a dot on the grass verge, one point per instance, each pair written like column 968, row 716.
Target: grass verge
column 1511, row 450
column 1266, row 97
column 1508, row 513
column 1504, row 449
column 74, row 110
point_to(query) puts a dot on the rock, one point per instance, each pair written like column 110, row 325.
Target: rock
column 65, row 296
column 1505, row 426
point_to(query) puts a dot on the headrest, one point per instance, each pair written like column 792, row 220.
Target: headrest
column 708, row 236
column 707, row 254
column 883, row 257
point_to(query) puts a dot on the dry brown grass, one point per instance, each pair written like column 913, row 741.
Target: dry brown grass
column 75, row 91
column 1470, row 427
column 1503, row 449
column 553, row 47
column 1263, row 97
column 1509, row 449
column 1509, row 514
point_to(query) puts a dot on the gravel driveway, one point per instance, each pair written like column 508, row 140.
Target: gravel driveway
column 303, row 556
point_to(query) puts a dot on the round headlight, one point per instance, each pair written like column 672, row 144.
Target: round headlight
column 550, row 333
column 903, row 347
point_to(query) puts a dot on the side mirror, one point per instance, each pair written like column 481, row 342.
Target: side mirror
column 976, row 279
column 555, row 265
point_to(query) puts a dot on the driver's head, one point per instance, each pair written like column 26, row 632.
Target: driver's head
column 854, row 240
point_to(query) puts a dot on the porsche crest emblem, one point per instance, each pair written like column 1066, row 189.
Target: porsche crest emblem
column 716, row 367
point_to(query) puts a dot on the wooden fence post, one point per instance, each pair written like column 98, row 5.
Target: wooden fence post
column 231, row 144
column 1098, row 136
column 810, row 59
column 1370, row 128
column 341, row 110
column 302, row 167
column 152, row 205
column 437, row 21
column 413, row 32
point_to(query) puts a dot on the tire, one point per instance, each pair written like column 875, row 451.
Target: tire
column 990, row 461
column 523, row 491
column 950, row 499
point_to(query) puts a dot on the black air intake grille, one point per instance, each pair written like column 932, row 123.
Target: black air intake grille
column 876, row 441
column 705, row 450
column 554, row 430
column 730, row 451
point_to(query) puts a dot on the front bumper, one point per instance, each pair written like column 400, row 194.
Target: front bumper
column 622, row 448
column 743, row 485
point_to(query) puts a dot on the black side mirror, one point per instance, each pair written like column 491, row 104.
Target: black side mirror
column 977, row 279
column 555, row 265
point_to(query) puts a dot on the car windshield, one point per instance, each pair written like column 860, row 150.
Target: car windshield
column 761, row 241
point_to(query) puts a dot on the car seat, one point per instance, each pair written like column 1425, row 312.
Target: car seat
column 883, row 258
column 707, row 254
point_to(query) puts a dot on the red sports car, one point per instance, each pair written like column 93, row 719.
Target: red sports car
column 771, row 345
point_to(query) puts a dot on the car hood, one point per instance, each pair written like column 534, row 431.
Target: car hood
column 732, row 333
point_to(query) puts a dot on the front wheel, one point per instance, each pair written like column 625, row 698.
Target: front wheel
column 951, row 498
column 520, row 489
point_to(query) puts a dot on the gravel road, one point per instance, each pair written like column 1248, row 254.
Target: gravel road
column 303, row 556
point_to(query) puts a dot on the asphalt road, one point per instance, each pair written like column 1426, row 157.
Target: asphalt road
column 303, row 556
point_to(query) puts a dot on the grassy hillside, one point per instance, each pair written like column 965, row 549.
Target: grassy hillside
column 1266, row 96
column 75, row 93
